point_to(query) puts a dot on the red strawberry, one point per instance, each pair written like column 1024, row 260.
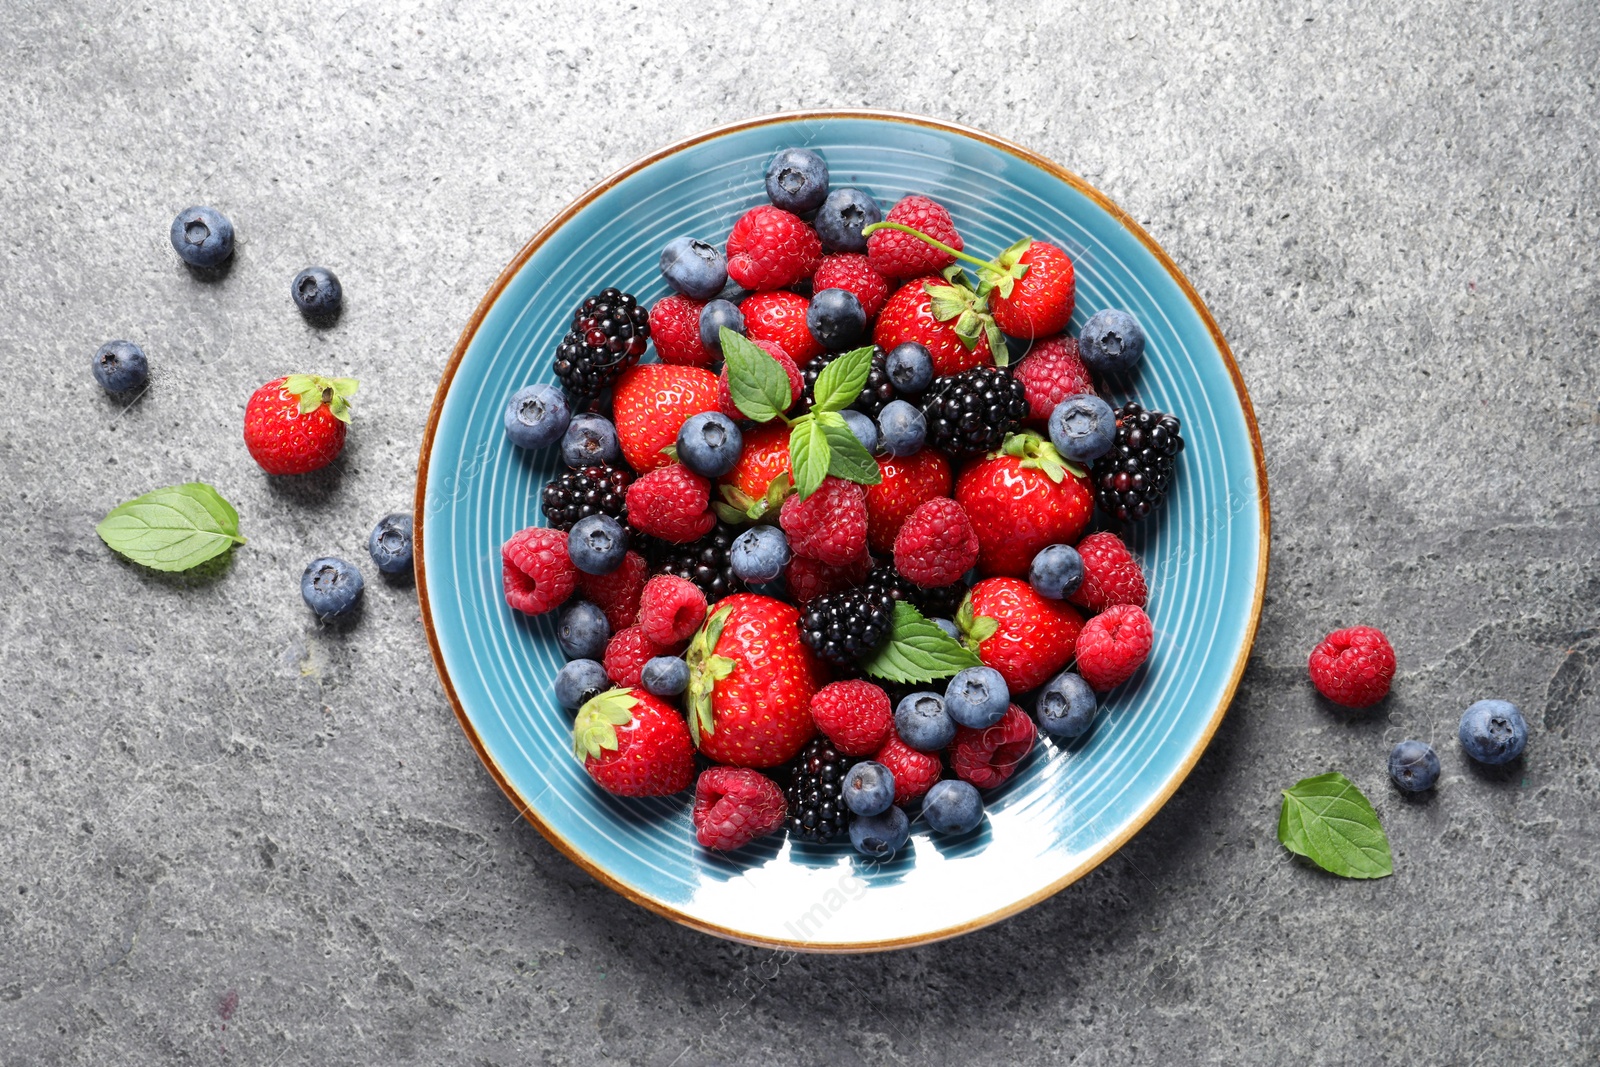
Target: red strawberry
column 672, row 503
column 633, row 744
column 1113, row 645
column 908, row 483
column 296, row 424
column 990, row 756
column 908, row 316
column 765, row 457
column 733, row 806
column 750, row 683
column 853, row 272
column 651, row 403
column 1353, row 667
column 807, row 579
column 770, row 248
column 1021, row 500
column 725, row 402
column 914, row 772
column 936, row 545
column 1052, row 372
column 780, row 316
column 1030, row 639
column 675, row 329
column 628, row 651
column 895, row 254
column 1035, row 301
column 535, row 570
column 671, row 609
column 830, row 525
column 1110, row 574
column 854, row 715
column 617, row 593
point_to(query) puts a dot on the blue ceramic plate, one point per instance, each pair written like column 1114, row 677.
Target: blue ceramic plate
column 1070, row 806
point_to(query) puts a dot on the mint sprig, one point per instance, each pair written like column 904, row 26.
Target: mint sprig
column 917, row 651
column 1330, row 822
column 172, row 529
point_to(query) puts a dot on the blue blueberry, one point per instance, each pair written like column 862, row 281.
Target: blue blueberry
column 120, row 367
column 579, row 682
column 694, row 268
column 910, row 367
column 880, row 836
column 1111, row 341
column 1083, row 427
column 1493, row 731
column 903, row 428
column 596, row 544
column 590, row 441
column 977, row 697
column 952, row 807
column 536, row 416
column 716, row 315
column 836, row 319
column 1056, row 572
column 842, row 217
column 331, row 587
column 922, row 722
column 797, row 180
column 202, row 236
column 583, row 631
column 317, row 293
column 759, row 554
column 949, row 627
column 1414, row 766
column 665, row 676
column 389, row 544
column 863, row 427
column 1066, row 706
column 868, row 788
column 709, row 444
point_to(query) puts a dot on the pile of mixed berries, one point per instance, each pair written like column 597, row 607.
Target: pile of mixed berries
column 832, row 550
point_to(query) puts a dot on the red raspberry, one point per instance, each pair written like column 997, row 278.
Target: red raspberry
column 675, row 329
column 829, row 525
column 1112, row 646
column 852, row 271
column 535, row 570
column 627, row 653
column 775, row 350
column 900, row 255
column 808, row 579
column 769, row 248
column 672, row 503
column 914, row 772
column 854, row 715
column 1110, row 574
column 936, row 544
column 1353, row 667
column 735, row 805
column 989, row 756
column 1051, row 373
column 780, row 316
column 671, row 609
column 617, row 593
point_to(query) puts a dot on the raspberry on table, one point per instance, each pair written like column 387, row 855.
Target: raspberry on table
column 914, row 772
column 855, row 715
column 852, row 271
column 1353, row 666
column 1113, row 645
column 1051, row 372
column 671, row 609
column 536, row 571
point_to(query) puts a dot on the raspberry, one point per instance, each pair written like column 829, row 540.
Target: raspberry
column 1353, row 667
column 989, row 756
column 808, row 579
column 628, row 652
column 829, row 525
column 936, row 544
column 536, row 572
column 671, row 609
column 1110, row 574
column 770, row 248
column 617, row 593
column 734, row 805
column 775, row 350
column 914, row 772
column 672, row 503
column 854, row 715
column 675, row 329
column 900, row 255
column 1112, row 646
column 781, row 317
column 1051, row 373
column 851, row 271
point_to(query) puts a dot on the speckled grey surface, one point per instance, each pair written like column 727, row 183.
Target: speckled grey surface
column 231, row 836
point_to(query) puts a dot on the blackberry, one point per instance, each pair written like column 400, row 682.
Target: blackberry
column 703, row 562
column 815, row 797
column 577, row 494
column 940, row 603
column 972, row 412
column 1131, row 479
column 842, row 627
column 877, row 392
column 609, row 333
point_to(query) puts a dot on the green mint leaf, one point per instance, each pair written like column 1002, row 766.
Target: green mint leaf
column 848, row 458
column 172, row 529
column 841, row 380
column 758, row 383
column 917, row 651
column 1327, row 820
column 809, row 455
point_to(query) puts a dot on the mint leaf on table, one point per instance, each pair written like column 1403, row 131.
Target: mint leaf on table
column 848, row 458
column 842, row 380
column 1327, row 820
column 172, row 529
column 758, row 383
column 917, row 651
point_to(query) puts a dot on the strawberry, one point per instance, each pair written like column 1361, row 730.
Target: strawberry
column 1020, row 500
column 650, row 404
column 765, row 457
column 914, row 772
column 807, row 579
column 633, row 744
column 1026, row 637
column 830, row 525
column 751, row 680
column 770, row 248
column 780, row 316
column 936, row 545
column 617, row 594
column 908, row 482
column 672, row 503
column 1110, row 574
column 909, row 316
column 990, row 756
column 733, row 806
column 1033, row 289
column 628, row 651
column 296, row 424
column 853, row 272
column 1115, row 642
column 1052, row 372
column 675, row 331
column 896, row 254
column 536, row 572
column 725, row 402
column 854, row 715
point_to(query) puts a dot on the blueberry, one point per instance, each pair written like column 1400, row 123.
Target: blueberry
column 1083, row 427
column 797, row 180
column 910, row 367
column 331, row 587
column 1493, row 731
column 1066, row 706
column 880, row 836
column 389, row 544
column 665, row 676
column 709, row 444
column 590, row 441
column 1111, row 341
column 842, row 217
column 1414, row 766
column 202, row 236
column 596, row 544
column 317, row 293
column 922, row 722
column 836, row 319
column 952, row 807
column 714, row 316
column 977, row 697
column 1056, row 572
column 863, row 427
column 583, row 631
column 120, row 366
column 949, row 627
column 579, row 682
column 868, row 788
column 903, row 427
column 759, row 554
column 694, row 268
column 536, row 416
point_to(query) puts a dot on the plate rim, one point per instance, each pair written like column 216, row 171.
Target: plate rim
column 1090, row 861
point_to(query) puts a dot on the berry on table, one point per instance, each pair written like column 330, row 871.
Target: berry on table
column 536, row 416
column 1066, row 706
column 1111, row 574
column 317, row 293
column 936, row 544
column 797, row 180
column 1353, row 666
column 880, row 836
column 852, row 272
column 536, row 571
column 582, row 631
column 988, row 757
column 714, row 318
column 972, row 412
column 1083, row 428
column 830, row 525
column 868, row 788
column 817, row 812
column 597, row 544
column 836, row 318
column 910, row 368
column 759, row 554
column 579, row 682
column 1133, row 476
column 331, row 587
column 1111, row 341
column 1493, row 731
column 120, row 367
column 297, row 424
column 1113, row 645
column 672, row 503
column 627, row 653
column 389, row 544
column 665, row 676
column 202, row 237
column 671, row 609
column 842, row 217
column 862, row 426
column 590, row 440
column 709, row 444
column 1056, row 572
column 843, row 627
column 577, row 494
column 952, row 807
column 734, row 806
column 675, row 331
column 976, row 697
column 694, row 268
column 609, row 332
column 854, row 715
column 914, row 772
column 896, row 254
column 904, row 428
column 1051, row 372
column 770, row 248
column 633, row 744
column 1414, row 766
column 617, row 593
column 923, row 723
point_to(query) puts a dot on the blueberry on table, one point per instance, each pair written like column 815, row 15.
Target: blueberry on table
column 923, row 723
column 709, row 444
column 317, row 293
column 694, row 268
column 910, row 367
column 1111, row 341
column 952, row 807
column 1493, row 731
column 836, row 319
column 977, row 697
column 1414, row 766
column 583, row 631
column 389, row 544
column 1066, row 706
column 536, row 416
column 759, row 554
column 202, row 236
column 589, row 441
column 868, row 788
column 331, row 587
column 665, row 676
column 714, row 316
column 1083, row 428
column 120, row 367
column 902, row 428
column 579, row 682
column 1056, row 572
column 597, row 544
column 797, row 180
column 843, row 215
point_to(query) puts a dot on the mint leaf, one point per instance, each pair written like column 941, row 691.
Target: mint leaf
column 808, row 455
column 848, row 458
column 758, row 383
column 172, row 529
column 917, row 651
column 1327, row 820
column 841, row 380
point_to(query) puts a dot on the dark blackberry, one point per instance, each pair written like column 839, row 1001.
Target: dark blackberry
column 815, row 796
column 940, row 603
column 1131, row 479
column 703, row 562
column 844, row 626
column 609, row 333
column 972, row 412
column 877, row 392
column 577, row 494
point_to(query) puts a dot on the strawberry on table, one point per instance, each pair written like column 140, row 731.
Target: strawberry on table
column 297, row 424
column 1028, row 638
column 1113, row 645
column 651, row 403
column 633, row 744
column 535, row 570
column 765, row 457
column 1020, row 500
column 908, row 483
column 734, row 806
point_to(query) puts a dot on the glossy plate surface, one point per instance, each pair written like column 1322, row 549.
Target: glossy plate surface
column 1068, row 807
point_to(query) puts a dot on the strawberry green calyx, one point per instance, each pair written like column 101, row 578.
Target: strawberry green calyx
column 1037, row 453
column 706, row 669
column 737, row 507
column 313, row 390
column 1006, row 270
column 974, row 630
column 594, row 732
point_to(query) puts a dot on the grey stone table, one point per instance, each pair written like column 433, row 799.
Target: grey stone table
column 228, row 835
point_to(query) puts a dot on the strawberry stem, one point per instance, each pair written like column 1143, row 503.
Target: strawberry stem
column 871, row 228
